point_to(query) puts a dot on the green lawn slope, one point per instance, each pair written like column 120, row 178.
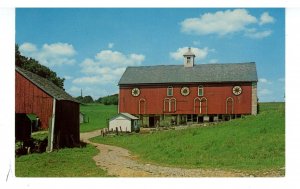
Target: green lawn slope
column 252, row 143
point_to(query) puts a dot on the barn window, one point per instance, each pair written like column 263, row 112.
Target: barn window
column 200, row 90
column 170, row 91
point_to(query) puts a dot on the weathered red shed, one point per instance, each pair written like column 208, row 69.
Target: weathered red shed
column 57, row 111
column 189, row 93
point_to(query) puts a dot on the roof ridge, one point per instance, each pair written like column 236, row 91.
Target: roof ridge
column 226, row 63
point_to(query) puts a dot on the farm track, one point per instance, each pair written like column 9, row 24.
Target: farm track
column 119, row 162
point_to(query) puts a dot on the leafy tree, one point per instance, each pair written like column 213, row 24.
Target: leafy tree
column 34, row 66
column 79, row 98
column 87, row 99
column 111, row 99
column 99, row 100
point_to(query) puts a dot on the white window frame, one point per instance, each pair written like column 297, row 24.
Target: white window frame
column 170, row 88
column 202, row 88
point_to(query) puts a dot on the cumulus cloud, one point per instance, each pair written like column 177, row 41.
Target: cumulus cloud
column 28, row 47
column 110, row 45
column 264, row 81
column 221, row 22
column 103, row 79
column 226, row 22
column 199, row 53
column 109, row 57
column 106, row 67
column 253, row 33
column 54, row 54
column 265, row 18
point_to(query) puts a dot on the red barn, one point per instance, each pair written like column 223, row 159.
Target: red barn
column 189, row 93
column 57, row 111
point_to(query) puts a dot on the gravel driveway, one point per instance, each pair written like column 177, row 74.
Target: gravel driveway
column 119, row 162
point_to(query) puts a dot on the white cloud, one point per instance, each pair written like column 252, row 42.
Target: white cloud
column 265, row 18
column 199, row 53
column 227, row 22
column 110, row 45
column 253, row 33
column 221, row 22
column 89, row 80
column 106, row 68
column 27, row 47
column 67, row 77
column 264, row 81
column 54, row 54
column 213, row 61
column 117, row 58
column 74, row 90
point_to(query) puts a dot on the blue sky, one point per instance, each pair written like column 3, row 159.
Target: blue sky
column 92, row 47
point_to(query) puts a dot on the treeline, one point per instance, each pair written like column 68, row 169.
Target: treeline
column 107, row 100
column 34, row 66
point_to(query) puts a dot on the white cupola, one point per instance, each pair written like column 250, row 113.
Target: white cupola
column 189, row 58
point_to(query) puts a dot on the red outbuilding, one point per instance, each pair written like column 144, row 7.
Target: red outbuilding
column 56, row 110
column 189, row 93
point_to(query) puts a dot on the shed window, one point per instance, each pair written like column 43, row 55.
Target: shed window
column 200, row 90
column 170, row 91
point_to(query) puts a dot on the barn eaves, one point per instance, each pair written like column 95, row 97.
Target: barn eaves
column 46, row 85
column 201, row 73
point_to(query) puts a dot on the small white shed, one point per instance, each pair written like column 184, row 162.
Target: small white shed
column 125, row 122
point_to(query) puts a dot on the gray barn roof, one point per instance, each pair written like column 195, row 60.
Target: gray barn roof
column 46, row 85
column 202, row 73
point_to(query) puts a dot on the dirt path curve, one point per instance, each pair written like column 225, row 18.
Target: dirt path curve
column 119, row 162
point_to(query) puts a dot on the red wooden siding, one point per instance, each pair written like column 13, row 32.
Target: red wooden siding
column 156, row 98
column 29, row 99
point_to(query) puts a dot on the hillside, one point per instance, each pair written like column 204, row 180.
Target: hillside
column 252, row 143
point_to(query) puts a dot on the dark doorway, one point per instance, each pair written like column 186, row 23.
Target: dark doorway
column 200, row 119
column 22, row 127
column 151, row 121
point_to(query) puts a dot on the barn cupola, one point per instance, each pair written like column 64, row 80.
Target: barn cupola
column 189, row 58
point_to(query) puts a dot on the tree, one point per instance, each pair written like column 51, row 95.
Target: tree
column 34, row 66
column 99, row 100
column 111, row 99
column 87, row 99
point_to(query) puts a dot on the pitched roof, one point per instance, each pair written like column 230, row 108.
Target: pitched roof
column 46, row 85
column 201, row 73
column 125, row 115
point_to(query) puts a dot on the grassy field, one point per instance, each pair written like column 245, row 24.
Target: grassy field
column 72, row 162
column 252, row 143
column 97, row 114
column 68, row 162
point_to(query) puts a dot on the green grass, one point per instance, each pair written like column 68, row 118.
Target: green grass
column 98, row 114
column 252, row 143
column 68, row 162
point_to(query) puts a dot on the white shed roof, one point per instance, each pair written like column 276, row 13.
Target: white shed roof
column 126, row 115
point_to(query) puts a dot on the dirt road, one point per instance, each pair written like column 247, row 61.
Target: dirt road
column 119, row 162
